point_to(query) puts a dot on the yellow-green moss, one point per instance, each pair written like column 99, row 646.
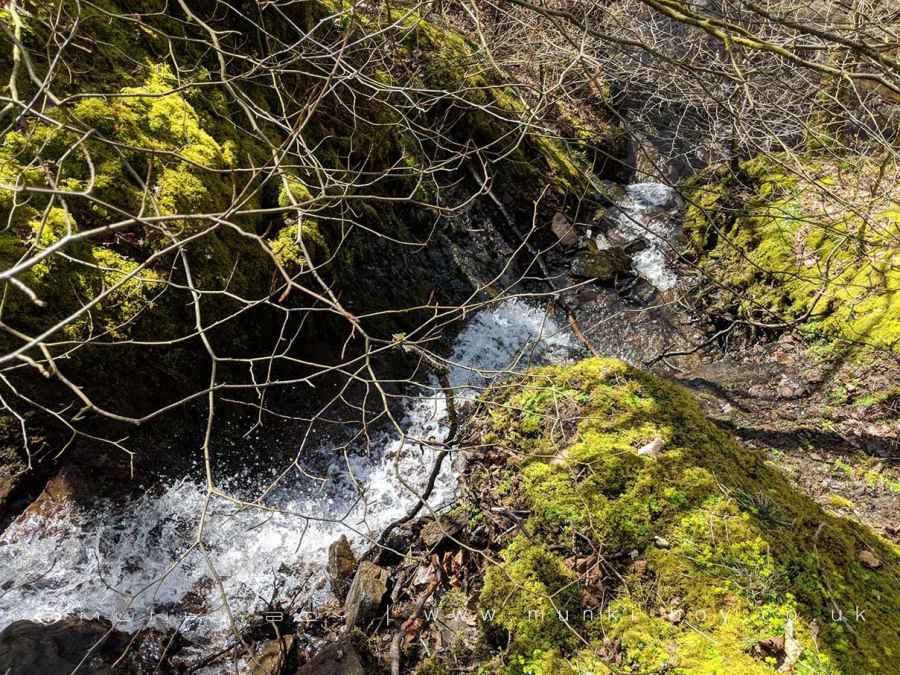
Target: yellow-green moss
column 64, row 283
column 788, row 239
column 289, row 252
column 731, row 554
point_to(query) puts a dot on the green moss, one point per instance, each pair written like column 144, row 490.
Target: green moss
column 839, row 502
column 63, row 283
column 293, row 191
column 795, row 246
column 289, row 252
column 172, row 146
column 530, row 593
column 731, row 554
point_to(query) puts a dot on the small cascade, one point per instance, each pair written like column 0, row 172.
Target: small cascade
column 139, row 565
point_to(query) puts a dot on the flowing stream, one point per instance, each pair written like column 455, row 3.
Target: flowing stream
column 138, row 564
column 646, row 214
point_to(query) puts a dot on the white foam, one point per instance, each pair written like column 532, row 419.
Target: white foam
column 646, row 213
column 137, row 564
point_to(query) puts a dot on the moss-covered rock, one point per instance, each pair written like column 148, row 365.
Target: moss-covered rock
column 805, row 239
column 146, row 146
column 698, row 557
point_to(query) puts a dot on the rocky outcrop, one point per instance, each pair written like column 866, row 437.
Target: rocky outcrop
column 366, row 594
column 341, row 567
column 781, row 248
column 733, row 548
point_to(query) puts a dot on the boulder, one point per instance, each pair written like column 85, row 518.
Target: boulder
column 365, row 595
column 347, row 656
column 602, row 264
column 341, row 566
column 564, row 230
column 72, row 485
column 31, row 648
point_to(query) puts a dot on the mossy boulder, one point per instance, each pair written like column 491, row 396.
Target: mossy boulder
column 699, row 557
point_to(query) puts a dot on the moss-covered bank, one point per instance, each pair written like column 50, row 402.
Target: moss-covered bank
column 666, row 545
column 145, row 145
column 808, row 239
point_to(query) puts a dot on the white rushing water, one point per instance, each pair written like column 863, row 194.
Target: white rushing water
column 137, row 564
column 647, row 213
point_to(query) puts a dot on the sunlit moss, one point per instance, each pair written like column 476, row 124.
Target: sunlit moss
column 792, row 247
column 731, row 554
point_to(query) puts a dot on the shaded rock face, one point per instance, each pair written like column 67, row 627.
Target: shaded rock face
column 29, row 648
column 341, row 567
column 365, row 595
column 13, row 475
column 344, row 657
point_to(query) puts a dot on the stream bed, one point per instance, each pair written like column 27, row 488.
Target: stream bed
column 140, row 566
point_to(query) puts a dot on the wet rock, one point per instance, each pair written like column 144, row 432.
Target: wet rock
column 564, row 230
column 602, row 264
column 366, row 594
column 635, row 245
column 869, row 559
column 341, row 567
column 13, row 470
column 400, row 539
column 273, row 657
column 616, row 239
column 641, row 292
column 347, row 656
column 30, row 648
column 72, row 485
